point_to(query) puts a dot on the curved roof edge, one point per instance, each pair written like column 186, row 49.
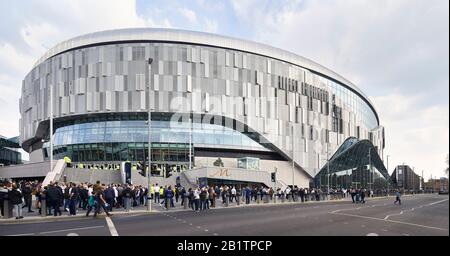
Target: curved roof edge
column 201, row 38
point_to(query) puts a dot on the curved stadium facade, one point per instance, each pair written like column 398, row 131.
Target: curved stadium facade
column 245, row 99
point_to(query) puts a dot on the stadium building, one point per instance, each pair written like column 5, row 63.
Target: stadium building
column 258, row 108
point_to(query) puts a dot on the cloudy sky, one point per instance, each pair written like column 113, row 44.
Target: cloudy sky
column 397, row 51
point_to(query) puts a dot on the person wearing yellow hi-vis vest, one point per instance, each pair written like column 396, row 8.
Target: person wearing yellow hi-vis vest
column 68, row 161
column 161, row 192
column 152, row 191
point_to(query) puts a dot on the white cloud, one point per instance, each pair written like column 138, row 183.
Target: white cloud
column 415, row 136
column 211, row 26
column 188, row 14
column 394, row 50
column 42, row 25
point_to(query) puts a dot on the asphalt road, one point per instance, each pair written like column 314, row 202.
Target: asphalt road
column 420, row 215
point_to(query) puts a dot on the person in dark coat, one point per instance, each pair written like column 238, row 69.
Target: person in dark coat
column 84, row 196
column 109, row 197
column 26, row 192
column 54, row 198
column 169, row 196
column 73, row 199
column 3, row 196
column 16, row 199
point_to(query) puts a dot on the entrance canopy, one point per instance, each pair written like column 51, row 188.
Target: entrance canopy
column 352, row 154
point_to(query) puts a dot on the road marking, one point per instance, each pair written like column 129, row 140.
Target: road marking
column 71, row 229
column 206, row 230
column 111, row 227
column 393, row 215
column 437, row 202
column 72, row 234
column 393, row 221
column 215, row 234
column 27, row 234
column 385, row 230
column 372, row 234
column 405, row 234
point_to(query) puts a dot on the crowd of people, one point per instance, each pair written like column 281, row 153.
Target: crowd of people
column 72, row 197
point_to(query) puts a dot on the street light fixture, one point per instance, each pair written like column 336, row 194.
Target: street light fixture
column 328, row 172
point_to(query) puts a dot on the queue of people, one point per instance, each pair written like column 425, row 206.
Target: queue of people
column 98, row 198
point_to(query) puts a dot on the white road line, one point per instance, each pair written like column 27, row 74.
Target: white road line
column 111, row 227
column 438, row 202
column 71, row 229
column 27, row 234
column 393, row 221
column 387, row 216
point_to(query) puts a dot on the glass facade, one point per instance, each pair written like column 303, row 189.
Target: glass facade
column 9, row 155
column 356, row 164
column 127, row 140
column 162, row 131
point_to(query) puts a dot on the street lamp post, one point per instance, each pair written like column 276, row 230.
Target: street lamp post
column 149, row 201
column 389, row 177
column 190, row 140
column 370, row 172
column 51, row 127
column 293, row 153
column 328, row 171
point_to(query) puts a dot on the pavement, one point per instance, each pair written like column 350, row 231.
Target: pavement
column 419, row 215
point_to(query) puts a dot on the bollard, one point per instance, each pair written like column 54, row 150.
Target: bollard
column 226, row 201
column 167, row 202
column 43, row 208
column 185, row 203
column 282, row 198
column 7, row 210
column 274, row 198
column 266, row 199
column 258, row 198
column 290, row 198
column 238, row 200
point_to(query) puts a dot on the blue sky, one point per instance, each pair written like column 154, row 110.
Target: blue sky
column 396, row 51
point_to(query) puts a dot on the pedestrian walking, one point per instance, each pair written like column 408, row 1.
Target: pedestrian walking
column 397, row 197
column 363, row 196
column 27, row 196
